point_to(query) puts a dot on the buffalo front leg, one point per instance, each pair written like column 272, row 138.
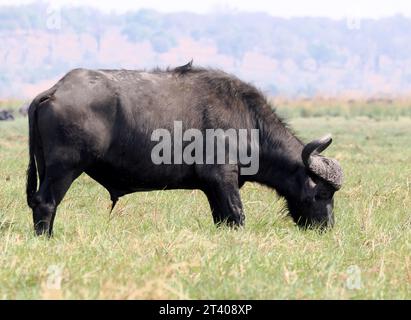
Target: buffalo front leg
column 51, row 192
column 225, row 203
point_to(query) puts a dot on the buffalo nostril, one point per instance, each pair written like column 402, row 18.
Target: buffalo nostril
column 42, row 227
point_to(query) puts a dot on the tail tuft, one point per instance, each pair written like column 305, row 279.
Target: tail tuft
column 31, row 185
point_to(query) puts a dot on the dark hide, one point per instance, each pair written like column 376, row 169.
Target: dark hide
column 100, row 122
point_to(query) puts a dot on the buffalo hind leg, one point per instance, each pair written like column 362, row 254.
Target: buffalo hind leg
column 52, row 190
column 225, row 203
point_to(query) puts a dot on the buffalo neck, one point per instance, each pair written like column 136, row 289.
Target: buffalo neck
column 280, row 163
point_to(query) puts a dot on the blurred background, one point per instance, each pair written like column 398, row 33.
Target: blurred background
column 291, row 49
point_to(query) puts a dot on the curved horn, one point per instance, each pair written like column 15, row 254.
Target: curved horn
column 326, row 168
column 315, row 147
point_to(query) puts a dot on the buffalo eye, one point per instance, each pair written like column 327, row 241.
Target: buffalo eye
column 308, row 200
column 322, row 195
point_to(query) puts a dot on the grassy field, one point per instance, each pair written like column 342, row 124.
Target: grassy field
column 164, row 244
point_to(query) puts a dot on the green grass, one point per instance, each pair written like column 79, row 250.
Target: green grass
column 164, row 244
column 12, row 105
column 378, row 109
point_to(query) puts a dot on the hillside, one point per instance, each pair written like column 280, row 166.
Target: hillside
column 290, row 57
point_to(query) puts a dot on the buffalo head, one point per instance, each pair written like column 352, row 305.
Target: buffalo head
column 320, row 178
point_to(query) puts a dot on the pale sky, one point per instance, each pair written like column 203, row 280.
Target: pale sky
column 284, row 8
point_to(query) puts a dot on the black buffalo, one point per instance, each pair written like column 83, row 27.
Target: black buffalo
column 100, row 122
column 6, row 115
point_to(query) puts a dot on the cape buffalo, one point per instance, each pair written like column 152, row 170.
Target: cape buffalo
column 100, row 122
column 6, row 115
